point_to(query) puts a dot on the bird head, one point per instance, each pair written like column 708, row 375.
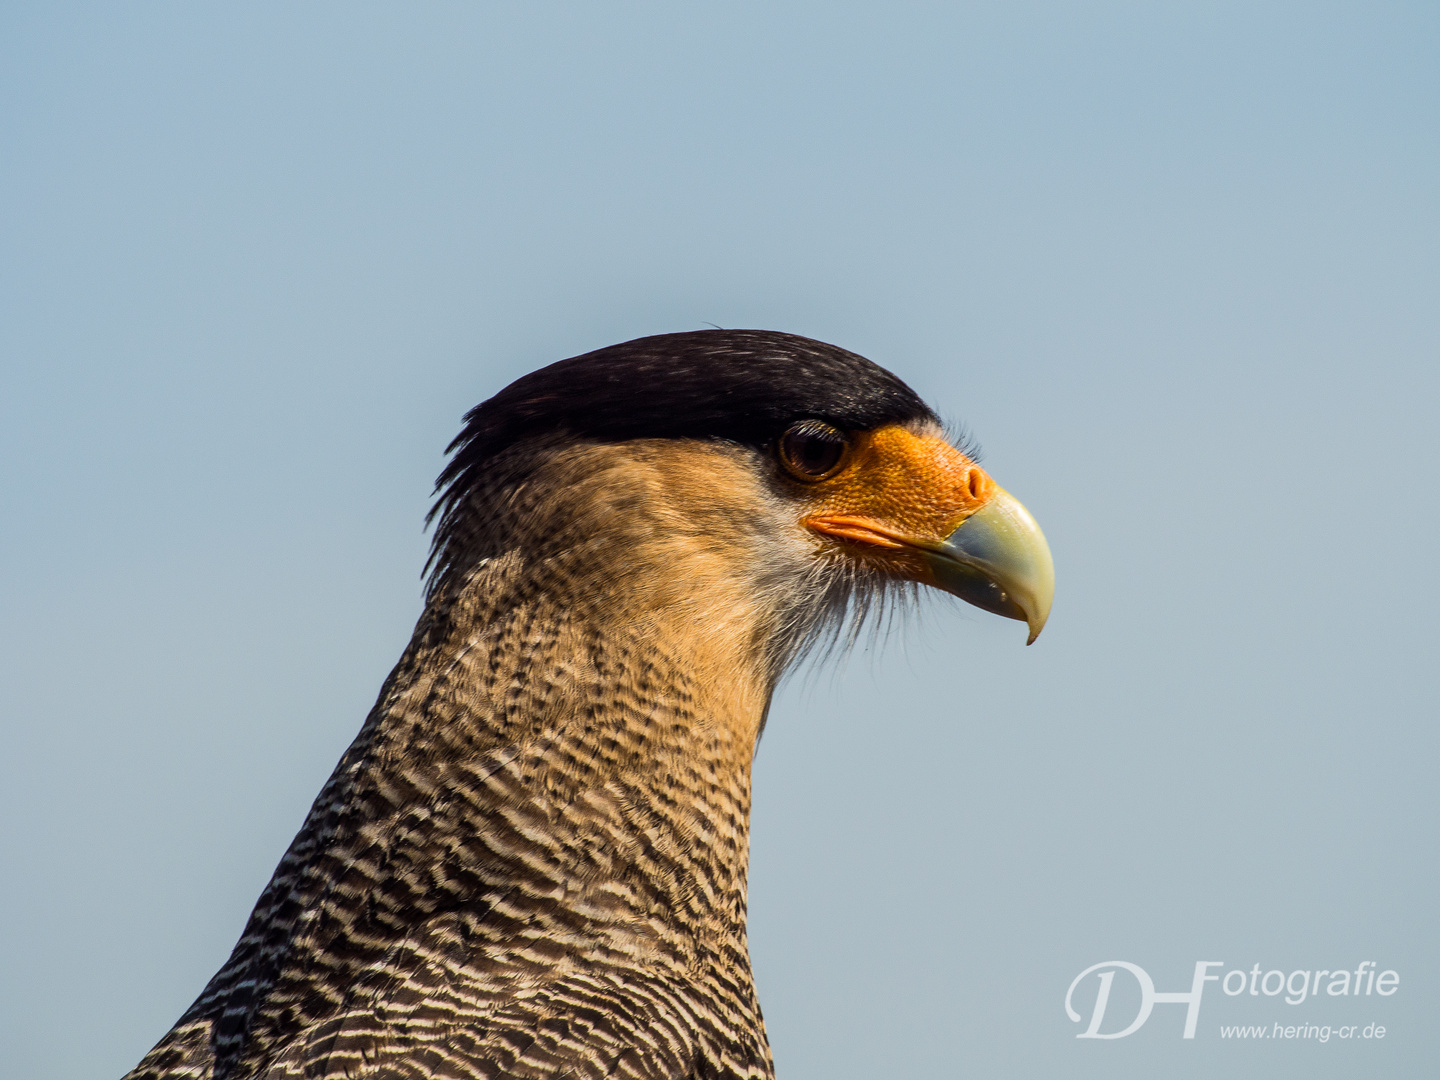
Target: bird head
column 722, row 469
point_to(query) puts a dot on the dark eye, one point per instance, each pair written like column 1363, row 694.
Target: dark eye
column 811, row 449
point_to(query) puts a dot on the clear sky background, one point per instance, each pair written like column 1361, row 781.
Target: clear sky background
column 1176, row 266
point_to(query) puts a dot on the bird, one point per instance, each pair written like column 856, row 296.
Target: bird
column 532, row 860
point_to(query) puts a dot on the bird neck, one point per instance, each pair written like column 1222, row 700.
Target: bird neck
column 624, row 728
column 604, row 681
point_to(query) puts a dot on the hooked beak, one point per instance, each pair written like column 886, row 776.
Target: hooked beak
column 998, row 560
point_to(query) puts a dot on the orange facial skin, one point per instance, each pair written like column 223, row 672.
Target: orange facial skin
column 897, row 494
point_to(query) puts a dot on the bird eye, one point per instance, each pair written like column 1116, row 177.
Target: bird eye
column 811, row 449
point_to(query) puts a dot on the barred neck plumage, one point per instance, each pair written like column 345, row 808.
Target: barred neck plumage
column 535, row 851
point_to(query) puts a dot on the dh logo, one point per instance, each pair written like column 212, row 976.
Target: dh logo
column 1149, row 997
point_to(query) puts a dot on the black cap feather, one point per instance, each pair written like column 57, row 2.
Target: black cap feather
column 741, row 386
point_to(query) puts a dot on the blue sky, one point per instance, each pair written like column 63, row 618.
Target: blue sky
column 1174, row 266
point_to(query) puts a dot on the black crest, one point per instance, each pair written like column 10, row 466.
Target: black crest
column 741, row 386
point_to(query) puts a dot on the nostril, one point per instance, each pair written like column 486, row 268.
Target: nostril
column 975, row 483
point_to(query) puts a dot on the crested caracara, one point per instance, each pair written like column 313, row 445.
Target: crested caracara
column 531, row 862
